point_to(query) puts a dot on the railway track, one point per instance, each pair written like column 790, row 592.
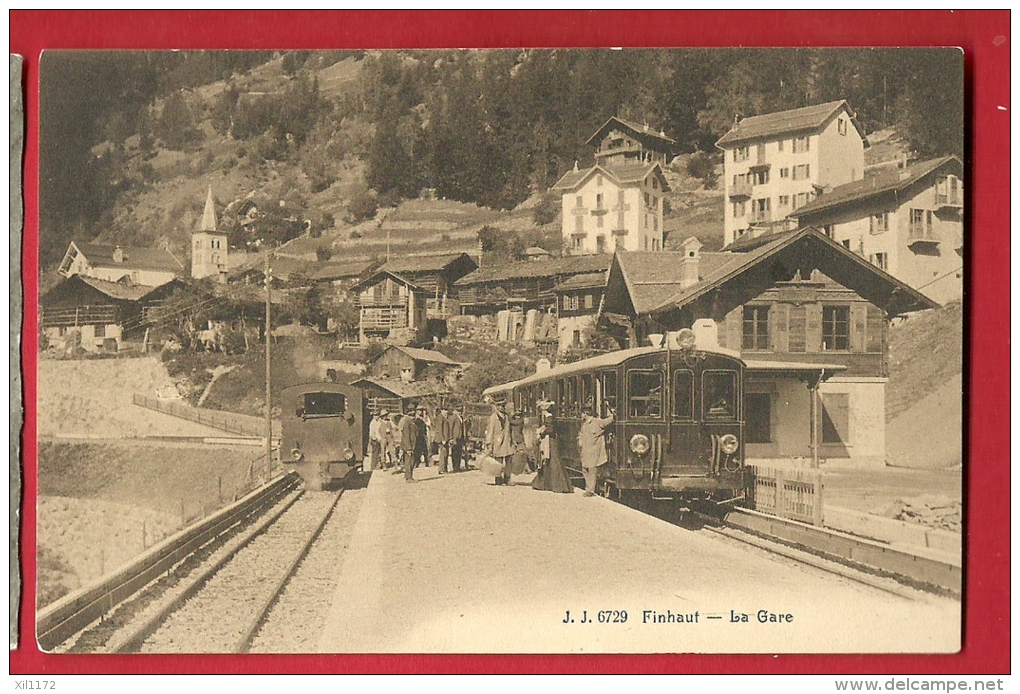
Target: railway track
column 213, row 590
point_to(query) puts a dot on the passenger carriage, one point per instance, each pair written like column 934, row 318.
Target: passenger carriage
column 678, row 431
column 325, row 431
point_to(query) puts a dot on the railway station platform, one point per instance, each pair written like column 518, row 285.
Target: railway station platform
column 455, row 564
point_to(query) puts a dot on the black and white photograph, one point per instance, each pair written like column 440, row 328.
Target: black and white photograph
column 501, row 351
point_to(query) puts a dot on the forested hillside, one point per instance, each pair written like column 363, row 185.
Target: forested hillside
column 129, row 141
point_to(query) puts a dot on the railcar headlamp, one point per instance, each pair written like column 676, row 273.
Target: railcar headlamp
column 639, row 444
column 729, row 444
column 348, row 454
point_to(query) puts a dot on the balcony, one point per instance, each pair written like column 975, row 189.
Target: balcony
column 383, row 319
column 372, row 301
column 921, row 236
column 741, row 190
column 761, row 216
column 952, row 200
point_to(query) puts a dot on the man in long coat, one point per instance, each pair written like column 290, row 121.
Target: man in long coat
column 458, row 435
column 497, row 439
column 441, row 430
column 591, row 440
column 408, row 439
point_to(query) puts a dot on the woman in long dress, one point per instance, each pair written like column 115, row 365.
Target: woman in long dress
column 552, row 476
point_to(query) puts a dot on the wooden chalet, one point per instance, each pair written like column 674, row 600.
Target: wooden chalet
column 98, row 315
column 397, row 395
column 392, row 308
column 522, row 285
column 436, row 274
column 578, row 301
column 799, row 301
column 412, row 364
column 138, row 265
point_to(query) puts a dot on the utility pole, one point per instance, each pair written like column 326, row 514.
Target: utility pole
column 269, row 408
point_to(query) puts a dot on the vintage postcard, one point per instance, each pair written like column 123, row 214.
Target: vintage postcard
column 501, row 351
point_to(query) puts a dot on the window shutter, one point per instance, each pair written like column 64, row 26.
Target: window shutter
column 876, row 329
column 813, row 329
column 858, row 326
column 779, row 327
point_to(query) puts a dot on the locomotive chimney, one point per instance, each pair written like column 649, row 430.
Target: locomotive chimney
column 689, row 264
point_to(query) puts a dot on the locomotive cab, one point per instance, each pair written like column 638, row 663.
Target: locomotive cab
column 323, row 432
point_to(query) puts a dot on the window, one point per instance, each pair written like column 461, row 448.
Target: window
column 577, row 243
column 846, row 243
column 683, row 394
column 598, row 201
column 579, row 202
column 739, row 179
column 323, row 405
column 761, row 177
column 947, row 191
column 644, row 394
column 655, row 244
column 719, row 394
column 781, row 143
column 758, row 418
column 741, row 153
column 655, row 184
column 648, row 202
column 880, row 260
column 836, row 418
column 841, row 126
column 801, row 199
column 739, row 209
column 198, row 244
column 784, row 200
column 655, row 223
column 760, row 210
column 761, row 152
column 587, row 394
column 801, row 144
column 801, row 172
column 101, row 330
column 835, row 328
column 879, row 222
column 589, row 301
column 784, row 172
column 608, row 392
column 756, row 327
column 600, row 240
column 920, row 224
column 646, row 243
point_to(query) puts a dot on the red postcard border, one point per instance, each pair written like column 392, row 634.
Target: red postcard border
column 984, row 37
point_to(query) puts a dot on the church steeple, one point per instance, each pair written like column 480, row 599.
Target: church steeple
column 209, row 245
column 209, row 214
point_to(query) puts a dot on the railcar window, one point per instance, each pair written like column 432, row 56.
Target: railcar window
column 324, row 405
column 608, row 392
column 644, row 394
column 719, row 394
column 572, row 400
column 683, row 394
column 587, row 389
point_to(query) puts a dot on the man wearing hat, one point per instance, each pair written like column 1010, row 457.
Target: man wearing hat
column 441, row 430
column 408, row 441
column 375, row 439
column 591, row 440
column 497, row 439
column 458, row 435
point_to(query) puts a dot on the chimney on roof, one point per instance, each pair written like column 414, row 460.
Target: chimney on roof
column 118, row 255
column 689, row 264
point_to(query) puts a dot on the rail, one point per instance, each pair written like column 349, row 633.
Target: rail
column 59, row 621
column 224, row 421
column 788, row 492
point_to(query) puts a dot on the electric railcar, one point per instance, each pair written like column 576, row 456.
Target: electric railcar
column 678, row 431
column 325, row 431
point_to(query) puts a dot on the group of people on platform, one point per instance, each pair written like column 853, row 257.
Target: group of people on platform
column 504, row 441
column 402, row 442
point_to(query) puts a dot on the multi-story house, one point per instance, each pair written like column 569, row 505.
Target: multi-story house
column 392, row 308
column 909, row 222
column 778, row 162
column 578, row 300
column 150, row 267
column 808, row 317
column 617, row 204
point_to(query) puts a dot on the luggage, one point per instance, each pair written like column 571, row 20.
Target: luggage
column 489, row 466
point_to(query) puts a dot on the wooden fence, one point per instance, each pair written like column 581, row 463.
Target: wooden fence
column 243, row 425
column 788, row 492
